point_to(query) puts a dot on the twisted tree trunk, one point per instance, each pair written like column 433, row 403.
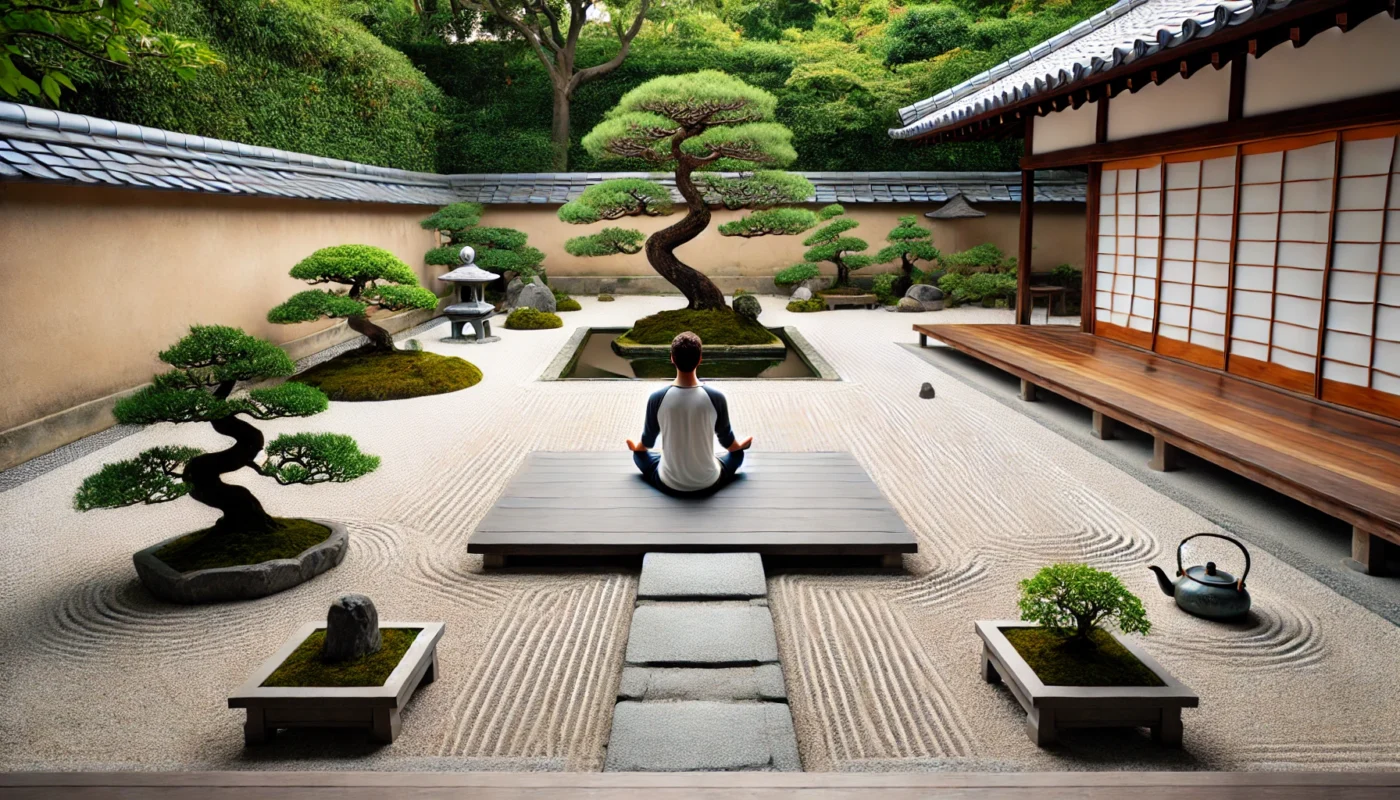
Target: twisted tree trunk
column 380, row 340
column 905, row 278
column 699, row 290
column 242, row 511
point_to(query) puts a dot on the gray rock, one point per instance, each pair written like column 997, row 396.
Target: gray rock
column 709, row 634
column 910, row 305
column 926, row 391
column 352, row 629
column 536, row 296
column 673, row 576
column 813, row 285
column 248, row 582
column 702, row 736
column 747, row 306
column 924, row 293
column 513, row 291
column 764, row 682
column 801, row 293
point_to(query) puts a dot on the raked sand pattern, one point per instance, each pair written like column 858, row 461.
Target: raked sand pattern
column 882, row 669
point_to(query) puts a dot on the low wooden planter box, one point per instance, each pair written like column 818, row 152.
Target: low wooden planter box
column 1050, row 708
column 834, row 301
column 373, row 707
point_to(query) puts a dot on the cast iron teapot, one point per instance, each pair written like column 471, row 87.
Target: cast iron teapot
column 1206, row 591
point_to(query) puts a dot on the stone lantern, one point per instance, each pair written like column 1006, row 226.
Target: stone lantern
column 471, row 307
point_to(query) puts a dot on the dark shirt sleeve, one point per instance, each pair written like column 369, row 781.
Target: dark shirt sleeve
column 652, row 428
column 722, row 430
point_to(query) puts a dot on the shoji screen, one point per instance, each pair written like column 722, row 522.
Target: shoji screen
column 1281, row 260
column 1130, row 212
column 1361, row 349
column 1199, row 217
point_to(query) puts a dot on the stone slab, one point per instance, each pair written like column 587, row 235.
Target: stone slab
column 707, row 576
column 764, row 682
column 701, row 634
column 702, row 736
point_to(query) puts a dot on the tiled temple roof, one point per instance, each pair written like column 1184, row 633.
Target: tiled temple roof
column 1119, row 35
column 53, row 146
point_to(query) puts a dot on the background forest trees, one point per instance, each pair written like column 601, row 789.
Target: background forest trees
column 417, row 85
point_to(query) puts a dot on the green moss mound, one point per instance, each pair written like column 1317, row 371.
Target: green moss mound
column 1058, row 663
column 567, row 304
column 532, row 319
column 805, row 306
column 717, row 326
column 360, row 376
column 209, row 550
column 606, row 298
column 304, row 666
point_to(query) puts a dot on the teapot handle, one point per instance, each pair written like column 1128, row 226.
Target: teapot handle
column 1181, row 570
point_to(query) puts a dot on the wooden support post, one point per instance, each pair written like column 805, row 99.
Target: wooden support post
column 1367, row 552
column 1040, row 726
column 255, row 727
column 892, row 561
column 386, row 725
column 1104, row 427
column 1023, row 252
column 1165, row 456
column 989, row 670
column 1168, row 732
column 493, row 560
column 1028, row 391
column 923, row 340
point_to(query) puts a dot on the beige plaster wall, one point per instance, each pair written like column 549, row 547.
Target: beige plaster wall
column 1175, row 104
column 97, row 280
column 1069, row 127
column 1333, row 66
column 1059, row 238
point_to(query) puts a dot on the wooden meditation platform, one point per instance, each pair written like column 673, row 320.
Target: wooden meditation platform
column 1340, row 462
column 781, row 504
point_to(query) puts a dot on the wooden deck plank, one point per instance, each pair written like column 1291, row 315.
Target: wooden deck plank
column 1343, row 463
column 782, row 504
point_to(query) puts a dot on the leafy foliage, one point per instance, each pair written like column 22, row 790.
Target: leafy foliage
column 771, row 221
column 151, row 477
column 617, row 198
column 806, row 306
column 373, row 275
column 454, row 217
column 796, row 274
column 353, row 263
column 987, row 288
column 42, row 41
column 1074, row 599
column 315, row 458
column 607, row 242
column 979, row 258
column 313, row 304
column 909, row 243
column 498, row 250
column 761, row 189
column 830, row 245
column 529, row 319
column 291, row 399
column 882, row 286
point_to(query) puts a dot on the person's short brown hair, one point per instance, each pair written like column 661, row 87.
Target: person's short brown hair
column 685, row 351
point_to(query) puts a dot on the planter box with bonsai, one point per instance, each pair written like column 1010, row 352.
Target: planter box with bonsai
column 348, row 672
column 1067, row 672
column 248, row 553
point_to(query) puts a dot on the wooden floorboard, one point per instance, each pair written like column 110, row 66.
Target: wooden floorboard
column 805, row 504
column 1344, row 463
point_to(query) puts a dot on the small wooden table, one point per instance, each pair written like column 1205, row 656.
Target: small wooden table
column 1051, row 294
column 834, row 301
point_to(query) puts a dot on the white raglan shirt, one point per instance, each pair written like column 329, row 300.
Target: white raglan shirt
column 689, row 419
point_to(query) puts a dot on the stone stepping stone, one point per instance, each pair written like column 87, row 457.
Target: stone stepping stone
column 764, row 682
column 702, row 576
column 699, row 736
column 702, row 634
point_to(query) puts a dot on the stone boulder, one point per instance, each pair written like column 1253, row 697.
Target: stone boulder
column 513, row 292
column 747, row 306
column 801, row 293
column 909, row 305
column 352, row 629
column 924, row 293
column 536, row 296
column 926, row 391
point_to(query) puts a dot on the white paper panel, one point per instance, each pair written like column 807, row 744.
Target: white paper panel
column 1356, row 257
column 1259, row 279
column 1292, row 360
column 1362, row 193
column 1392, row 223
column 1218, row 201
column 1394, row 188
column 1259, row 226
column 1143, row 324
column 1385, row 383
column 1146, row 247
column 1386, row 357
column 1345, row 373
column 1126, row 225
column 1389, row 290
column 1218, row 172
column 1303, row 256
column 1121, row 320
column 1307, row 196
column 1172, row 331
column 1358, row 226
column 1258, row 352
column 1178, row 293
column 1180, row 249
column 1250, row 329
column 1254, row 304
column 1176, row 315
column 1127, row 204
column 1150, row 227
column 1309, row 162
column 1179, row 272
column 1210, row 298
column 1367, row 156
column 1101, row 314
column 1149, row 204
column 1208, row 321
column 1211, row 250
column 1388, row 324
column 1256, row 253
column 1261, row 168
column 1103, row 299
column 1181, row 201
column 1127, row 181
column 1125, row 264
column 1217, row 227
column 1108, row 182
column 1263, row 198
column 1390, row 259
column 1181, row 227
column 1348, row 347
column 1108, row 243
column 1354, row 286
column 1297, row 311
column 1350, row 317
column 1299, row 227
column 1208, row 274
column 1186, row 175
column 1149, row 179
column 1211, row 340
column 1122, row 303
column 1144, row 288
column 1300, row 282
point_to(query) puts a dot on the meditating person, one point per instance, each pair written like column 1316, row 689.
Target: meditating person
column 686, row 415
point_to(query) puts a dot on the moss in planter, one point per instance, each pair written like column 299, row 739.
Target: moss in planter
column 1058, row 663
column 361, row 375
column 804, row 306
column 717, row 326
column 209, row 550
column 304, row 666
column 531, row 319
column 718, row 368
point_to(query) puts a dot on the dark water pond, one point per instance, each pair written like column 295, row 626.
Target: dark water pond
column 595, row 360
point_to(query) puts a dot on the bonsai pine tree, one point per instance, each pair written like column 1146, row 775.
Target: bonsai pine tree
column 692, row 124
column 909, row 242
column 207, row 365
column 829, row 244
column 1074, row 599
column 374, row 277
column 498, row 250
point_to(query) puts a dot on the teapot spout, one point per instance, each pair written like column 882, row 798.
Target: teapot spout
column 1168, row 588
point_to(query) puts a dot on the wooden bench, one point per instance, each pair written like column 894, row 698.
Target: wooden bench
column 1340, row 462
column 782, row 504
column 834, row 301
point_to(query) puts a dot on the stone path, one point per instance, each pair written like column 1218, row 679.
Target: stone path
column 702, row 688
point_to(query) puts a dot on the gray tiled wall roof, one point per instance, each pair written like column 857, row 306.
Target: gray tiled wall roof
column 53, row 146
column 1121, row 34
